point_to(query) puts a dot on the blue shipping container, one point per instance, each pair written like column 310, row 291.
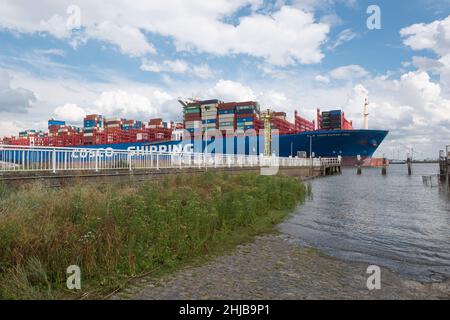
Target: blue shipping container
column 226, row 111
column 89, row 123
column 245, row 111
column 56, row 123
column 244, row 119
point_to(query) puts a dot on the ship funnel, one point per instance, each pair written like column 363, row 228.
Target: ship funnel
column 366, row 114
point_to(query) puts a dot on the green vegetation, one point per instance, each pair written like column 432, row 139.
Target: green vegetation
column 114, row 232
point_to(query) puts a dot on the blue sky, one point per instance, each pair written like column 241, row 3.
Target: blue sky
column 136, row 58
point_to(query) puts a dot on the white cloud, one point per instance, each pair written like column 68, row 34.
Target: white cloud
column 179, row 67
column 412, row 108
column 122, row 103
column 434, row 36
column 344, row 36
column 203, row 71
column 231, row 91
column 70, row 112
column 14, row 100
column 10, row 128
column 56, row 26
column 130, row 40
column 54, row 52
column 322, row 79
column 427, row 64
column 348, row 72
column 287, row 36
column 275, row 100
column 175, row 66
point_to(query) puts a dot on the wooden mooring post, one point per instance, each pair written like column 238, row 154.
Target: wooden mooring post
column 444, row 166
column 359, row 164
column 384, row 166
column 409, row 163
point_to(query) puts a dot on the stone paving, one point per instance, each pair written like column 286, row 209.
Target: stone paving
column 273, row 268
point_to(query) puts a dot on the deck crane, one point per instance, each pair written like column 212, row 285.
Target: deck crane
column 267, row 117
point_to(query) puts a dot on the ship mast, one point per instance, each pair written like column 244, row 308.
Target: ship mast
column 366, row 114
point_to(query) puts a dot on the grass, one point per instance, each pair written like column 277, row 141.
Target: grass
column 114, row 232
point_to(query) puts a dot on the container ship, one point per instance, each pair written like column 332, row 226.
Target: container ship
column 231, row 127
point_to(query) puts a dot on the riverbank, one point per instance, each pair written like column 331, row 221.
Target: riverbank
column 118, row 231
column 273, row 268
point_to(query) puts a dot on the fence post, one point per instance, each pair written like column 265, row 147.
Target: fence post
column 157, row 161
column 54, row 160
column 129, row 160
column 96, row 161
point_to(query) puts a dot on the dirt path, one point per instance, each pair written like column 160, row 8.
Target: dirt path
column 272, row 268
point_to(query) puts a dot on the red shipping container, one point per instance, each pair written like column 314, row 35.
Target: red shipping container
column 248, row 115
column 246, row 103
column 227, row 106
column 192, row 118
column 156, row 121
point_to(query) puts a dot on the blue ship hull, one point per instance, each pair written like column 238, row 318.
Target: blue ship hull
column 345, row 143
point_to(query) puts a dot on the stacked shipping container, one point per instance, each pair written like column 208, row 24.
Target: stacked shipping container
column 333, row 120
column 303, row 125
column 192, row 117
column 247, row 116
column 209, row 114
column 280, row 122
column 227, row 116
column 92, row 125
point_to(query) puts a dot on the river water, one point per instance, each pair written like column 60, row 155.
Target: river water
column 393, row 221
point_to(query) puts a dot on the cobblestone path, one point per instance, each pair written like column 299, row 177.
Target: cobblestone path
column 273, row 268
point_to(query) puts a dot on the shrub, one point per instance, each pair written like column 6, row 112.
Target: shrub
column 117, row 231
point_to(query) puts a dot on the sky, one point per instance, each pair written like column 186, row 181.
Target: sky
column 134, row 59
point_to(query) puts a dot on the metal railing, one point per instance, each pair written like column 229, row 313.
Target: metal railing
column 27, row 158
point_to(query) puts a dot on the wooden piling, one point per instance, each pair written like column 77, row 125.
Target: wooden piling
column 409, row 163
column 384, row 167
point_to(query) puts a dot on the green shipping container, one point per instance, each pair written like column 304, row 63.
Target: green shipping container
column 190, row 111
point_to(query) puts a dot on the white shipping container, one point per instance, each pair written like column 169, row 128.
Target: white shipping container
column 88, row 134
column 192, row 125
column 227, row 118
column 209, row 120
column 209, row 115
